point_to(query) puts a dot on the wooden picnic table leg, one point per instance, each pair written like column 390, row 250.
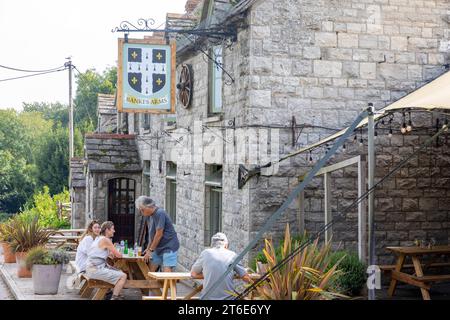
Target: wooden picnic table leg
column 419, row 273
column 398, row 267
column 173, row 289
column 193, row 292
column 165, row 289
column 100, row 294
column 143, row 267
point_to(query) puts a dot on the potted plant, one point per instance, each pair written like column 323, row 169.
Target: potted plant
column 309, row 275
column 26, row 234
column 5, row 240
column 46, row 266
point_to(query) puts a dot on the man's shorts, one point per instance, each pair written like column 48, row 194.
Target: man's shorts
column 167, row 259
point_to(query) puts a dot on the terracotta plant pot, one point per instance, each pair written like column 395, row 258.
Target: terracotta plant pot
column 22, row 270
column 8, row 255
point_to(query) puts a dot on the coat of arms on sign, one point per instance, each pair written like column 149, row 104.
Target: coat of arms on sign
column 147, row 70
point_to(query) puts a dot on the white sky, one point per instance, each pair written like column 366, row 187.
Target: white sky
column 40, row 34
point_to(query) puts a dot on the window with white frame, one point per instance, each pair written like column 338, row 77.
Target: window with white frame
column 213, row 210
column 215, row 80
column 171, row 190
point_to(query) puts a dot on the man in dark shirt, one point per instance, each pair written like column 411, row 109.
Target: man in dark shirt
column 162, row 249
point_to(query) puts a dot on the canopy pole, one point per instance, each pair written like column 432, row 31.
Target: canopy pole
column 371, row 196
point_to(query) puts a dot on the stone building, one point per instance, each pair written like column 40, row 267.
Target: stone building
column 313, row 63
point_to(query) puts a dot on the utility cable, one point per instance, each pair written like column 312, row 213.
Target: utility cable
column 32, row 71
column 31, row 75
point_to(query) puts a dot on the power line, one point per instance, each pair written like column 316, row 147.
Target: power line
column 33, row 71
column 31, row 75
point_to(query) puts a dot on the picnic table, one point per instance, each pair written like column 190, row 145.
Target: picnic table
column 137, row 277
column 170, row 282
column 417, row 279
column 61, row 240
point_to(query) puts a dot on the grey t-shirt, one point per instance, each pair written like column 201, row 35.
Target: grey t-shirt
column 169, row 241
column 213, row 263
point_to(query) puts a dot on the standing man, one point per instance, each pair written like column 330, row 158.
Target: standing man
column 212, row 264
column 163, row 245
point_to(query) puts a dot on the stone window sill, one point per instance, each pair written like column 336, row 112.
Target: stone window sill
column 215, row 118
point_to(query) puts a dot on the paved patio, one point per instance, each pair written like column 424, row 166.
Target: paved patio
column 22, row 288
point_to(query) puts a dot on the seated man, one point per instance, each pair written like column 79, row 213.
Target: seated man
column 212, row 264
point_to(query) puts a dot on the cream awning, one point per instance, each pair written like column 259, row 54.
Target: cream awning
column 431, row 96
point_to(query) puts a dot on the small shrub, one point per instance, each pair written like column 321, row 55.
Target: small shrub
column 353, row 272
column 40, row 255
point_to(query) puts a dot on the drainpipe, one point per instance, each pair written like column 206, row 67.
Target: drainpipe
column 371, row 196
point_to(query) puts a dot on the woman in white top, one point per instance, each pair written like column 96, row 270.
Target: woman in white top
column 88, row 237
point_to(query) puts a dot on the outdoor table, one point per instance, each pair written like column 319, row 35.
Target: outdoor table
column 77, row 232
column 137, row 276
column 170, row 281
column 418, row 279
column 62, row 239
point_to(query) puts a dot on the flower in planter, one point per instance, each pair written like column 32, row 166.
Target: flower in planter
column 42, row 256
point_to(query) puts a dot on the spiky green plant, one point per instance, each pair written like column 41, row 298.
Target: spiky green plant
column 307, row 276
column 26, row 233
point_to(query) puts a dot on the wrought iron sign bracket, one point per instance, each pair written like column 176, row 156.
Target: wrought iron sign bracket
column 245, row 174
column 146, row 25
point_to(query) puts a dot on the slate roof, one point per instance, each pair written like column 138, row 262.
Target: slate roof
column 77, row 177
column 107, row 152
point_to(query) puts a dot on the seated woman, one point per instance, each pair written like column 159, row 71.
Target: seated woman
column 97, row 267
column 88, row 237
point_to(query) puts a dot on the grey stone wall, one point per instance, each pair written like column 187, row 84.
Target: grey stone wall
column 323, row 61
column 78, row 200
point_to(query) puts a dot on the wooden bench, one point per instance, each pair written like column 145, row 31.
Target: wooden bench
column 91, row 284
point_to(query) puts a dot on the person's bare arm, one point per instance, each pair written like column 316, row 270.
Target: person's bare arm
column 196, row 275
column 156, row 239
column 107, row 244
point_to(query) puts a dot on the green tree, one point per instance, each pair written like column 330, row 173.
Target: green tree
column 89, row 85
column 13, row 135
column 17, row 182
column 56, row 112
column 52, row 160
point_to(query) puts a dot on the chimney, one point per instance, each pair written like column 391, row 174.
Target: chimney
column 191, row 5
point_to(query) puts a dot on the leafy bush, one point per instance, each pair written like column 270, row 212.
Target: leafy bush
column 309, row 275
column 353, row 272
column 4, row 216
column 40, row 255
column 5, row 231
column 45, row 206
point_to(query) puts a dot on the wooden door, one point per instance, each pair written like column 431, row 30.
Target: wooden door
column 121, row 196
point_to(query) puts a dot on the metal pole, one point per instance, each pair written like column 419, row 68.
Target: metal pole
column 370, row 180
column 69, row 65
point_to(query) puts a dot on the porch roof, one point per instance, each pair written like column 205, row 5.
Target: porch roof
column 112, row 153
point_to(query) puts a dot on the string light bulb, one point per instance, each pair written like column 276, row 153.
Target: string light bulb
column 403, row 128
column 310, row 157
column 390, row 133
column 445, row 126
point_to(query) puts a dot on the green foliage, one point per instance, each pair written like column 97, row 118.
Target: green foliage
column 27, row 233
column 261, row 257
column 17, row 181
column 309, row 275
column 13, row 136
column 89, row 84
column 56, row 113
column 45, row 207
column 353, row 272
column 4, row 216
column 6, row 230
column 40, row 255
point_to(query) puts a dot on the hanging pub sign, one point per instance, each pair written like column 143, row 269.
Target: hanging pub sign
column 146, row 76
